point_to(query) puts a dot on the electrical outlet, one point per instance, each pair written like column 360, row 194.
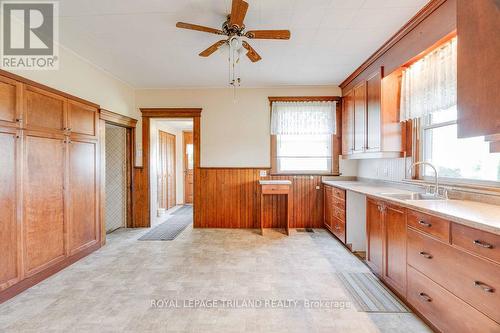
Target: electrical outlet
column 263, row 173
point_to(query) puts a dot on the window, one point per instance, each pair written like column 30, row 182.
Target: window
column 455, row 158
column 303, row 137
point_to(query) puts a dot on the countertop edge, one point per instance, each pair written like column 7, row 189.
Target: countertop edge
column 469, row 223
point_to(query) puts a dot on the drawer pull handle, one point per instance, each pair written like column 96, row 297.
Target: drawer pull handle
column 425, row 297
column 425, row 224
column 482, row 244
column 484, row 287
column 426, row 255
column 337, row 227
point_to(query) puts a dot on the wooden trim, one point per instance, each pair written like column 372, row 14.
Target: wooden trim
column 171, row 112
column 305, row 99
column 117, row 119
column 409, row 26
column 236, row 168
column 46, row 88
column 142, row 198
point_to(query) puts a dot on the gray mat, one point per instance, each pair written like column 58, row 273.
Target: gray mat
column 370, row 295
column 184, row 210
column 169, row 229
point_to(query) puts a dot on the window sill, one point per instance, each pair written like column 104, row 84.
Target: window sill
column 305, row 174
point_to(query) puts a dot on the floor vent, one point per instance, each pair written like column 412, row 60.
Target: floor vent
column 305, row 230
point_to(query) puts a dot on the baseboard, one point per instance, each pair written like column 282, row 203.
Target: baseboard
column 40, row 276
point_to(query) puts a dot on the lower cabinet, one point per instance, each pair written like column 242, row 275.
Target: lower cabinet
column 375, row 236
column 335, row 212
column 444, row 310
column 445, row 271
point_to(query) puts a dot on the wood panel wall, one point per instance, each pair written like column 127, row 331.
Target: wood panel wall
column 230, row 198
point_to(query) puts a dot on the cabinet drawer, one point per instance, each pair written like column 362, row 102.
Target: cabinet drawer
column 338, row 229
column 480, row 242
column 443, row 309
column 431, row 225
column 340, row 204
column 339, row 193
column 474, row 280
column 339, row 214
column 275, row 189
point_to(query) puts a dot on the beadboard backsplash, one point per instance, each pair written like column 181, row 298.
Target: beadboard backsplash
column 392, row 169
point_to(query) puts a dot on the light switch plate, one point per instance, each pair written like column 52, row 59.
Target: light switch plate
column 263, row 173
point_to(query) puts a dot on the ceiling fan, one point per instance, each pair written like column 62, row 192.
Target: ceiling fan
column 233, row 28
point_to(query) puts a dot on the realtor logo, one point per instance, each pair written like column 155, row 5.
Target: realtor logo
column 29, row 33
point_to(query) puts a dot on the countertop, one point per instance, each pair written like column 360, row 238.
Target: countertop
column 275, row 182
column 470, row 213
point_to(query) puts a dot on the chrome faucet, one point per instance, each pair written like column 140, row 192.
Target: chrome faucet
column 436, row 176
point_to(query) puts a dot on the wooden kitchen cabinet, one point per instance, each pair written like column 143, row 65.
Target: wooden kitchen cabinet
column 10, row 231
column 386, row 238
column 395, row 247
column 348, row 124
column 49, row 182
column 374, row 236
column 359, row 118
column 478, row 54
column 83, row 206
column 335, row 212
column 43, row 207
column 370, row 124
column 328, row 207
column 10, row 102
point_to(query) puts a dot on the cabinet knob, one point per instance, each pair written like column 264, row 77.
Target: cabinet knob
column 18, row 120
column 484, row 287
column 482, row 244
column 425, row 297
column 426, row 255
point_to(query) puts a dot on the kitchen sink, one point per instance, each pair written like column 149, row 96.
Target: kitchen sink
column 412, row 196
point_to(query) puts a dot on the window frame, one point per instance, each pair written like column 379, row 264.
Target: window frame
column 336, row 138
column 425, row 124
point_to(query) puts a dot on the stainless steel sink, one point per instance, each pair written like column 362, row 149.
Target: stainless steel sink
column 412, row 196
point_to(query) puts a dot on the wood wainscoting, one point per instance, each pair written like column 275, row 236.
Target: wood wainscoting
column 230, row 198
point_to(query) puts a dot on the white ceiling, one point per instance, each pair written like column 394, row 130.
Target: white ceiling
column 137, row 41
column 185, row 124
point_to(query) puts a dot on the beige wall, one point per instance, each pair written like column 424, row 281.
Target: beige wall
column 234, row 133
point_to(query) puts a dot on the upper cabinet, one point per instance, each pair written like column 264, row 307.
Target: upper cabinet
column 370, row 124
column 44, row 111
column 478, row 26
column 10, row 102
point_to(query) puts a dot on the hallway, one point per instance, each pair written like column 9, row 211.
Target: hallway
column 113, row 288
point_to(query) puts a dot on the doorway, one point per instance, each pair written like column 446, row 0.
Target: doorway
column 188, row 167
column 167, row 177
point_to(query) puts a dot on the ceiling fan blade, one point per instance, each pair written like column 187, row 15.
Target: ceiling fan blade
column 251, row 54
column 238, row 12
column 212, row 48
column 268, row 34
column 190, row 26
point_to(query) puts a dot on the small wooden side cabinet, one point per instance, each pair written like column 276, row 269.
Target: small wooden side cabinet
column 276, row 187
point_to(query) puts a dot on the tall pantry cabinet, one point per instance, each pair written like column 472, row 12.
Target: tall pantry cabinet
column 49, row 182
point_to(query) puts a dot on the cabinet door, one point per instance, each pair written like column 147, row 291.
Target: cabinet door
column 360, row 117
column 478, row 24
column 375, row 234
column 395, row 248
column 44, row 111
column 10, row 231
column 10, row 102
column 83, row 228
column 43, row 201
column 348, row 123
column 82, row 119
column 328, row 207
column 373, row 111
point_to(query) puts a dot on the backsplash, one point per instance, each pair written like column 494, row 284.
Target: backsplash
column 392, row 169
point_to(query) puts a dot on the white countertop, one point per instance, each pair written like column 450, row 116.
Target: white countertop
column 474, row 214
column 275, row 182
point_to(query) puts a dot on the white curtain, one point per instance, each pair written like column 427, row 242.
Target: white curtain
column 303, row 118
column 430, row 84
